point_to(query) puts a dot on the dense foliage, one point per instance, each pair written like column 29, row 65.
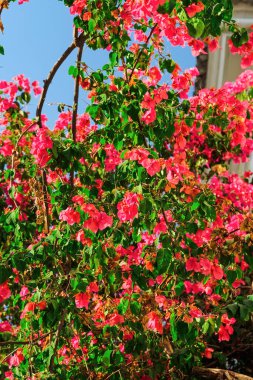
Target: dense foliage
column 126, row 244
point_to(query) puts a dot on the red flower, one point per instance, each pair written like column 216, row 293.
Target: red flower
column 70, row 216
column 217, row 272
column 208, row 353
column 82, row 300
column 128, row 207
column 80, row 236
column 112, row 159
column 224, row 333
column 194, row 8
column 98, row 220
column 7, row 148
column 5, row 326
column 227, row 330
column 154, row 322
column 237, row 283
column 192, row 264
column 152, row 166
column 115, row 319
column 16, row 359
column 4, row 292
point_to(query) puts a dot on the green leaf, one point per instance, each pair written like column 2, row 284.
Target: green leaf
column 179, row 288
column 139, row 278
column 233, row 308
column 167, row 64
column 173, row 329
column 163, row 260
column 113, row 56
column 106, row 358
column 195, row 205
column 135, row 307
column 5, row 273
column 73, row 70
column 205, row 327
column 231, row 276
column 195, row 27
column 240, row 38
column 118, row 358
column 1, row 50
column 244, row 312
column 123, row 306
column 91, row 25
column 167, row 7
column 93, row 110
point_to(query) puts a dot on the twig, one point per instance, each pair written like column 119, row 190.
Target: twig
column 76, row 91
column 50, row 77
column 76, row 98
column 141, row 52
column 24, row 132
column 45, row 201
column 57, row 336
column 47, row 83
column 24, row 342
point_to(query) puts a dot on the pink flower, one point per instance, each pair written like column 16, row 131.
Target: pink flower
column 70, row 216
column 24, row 292
column 98, row 220
column 80, row 236
column 205, row 267
column 154, row 322
column 192, row 264
column 36, row 88
column 41, row 142
column 9, row 375
column 151, row 165
column 226, row 320
column 155, row 76
column 75, row 341
column 7, row 148
column 149, row 116
column 138, row 154
column 128, row 207
column 78, row 7
column 82, row 300
column 16, row 359
column 112, row 159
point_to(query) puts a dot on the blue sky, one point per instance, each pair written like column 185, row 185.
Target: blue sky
column 35, row 36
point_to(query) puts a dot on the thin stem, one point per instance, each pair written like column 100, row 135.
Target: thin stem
column 57, row 336
column 76, row 99
column 141, row 52
column 76, row 91
column 50, row 77
column 24, row 342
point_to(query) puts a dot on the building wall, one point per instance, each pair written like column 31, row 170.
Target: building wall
column 224, row 67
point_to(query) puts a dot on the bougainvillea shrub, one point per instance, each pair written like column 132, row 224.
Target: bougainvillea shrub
column 126, row 243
